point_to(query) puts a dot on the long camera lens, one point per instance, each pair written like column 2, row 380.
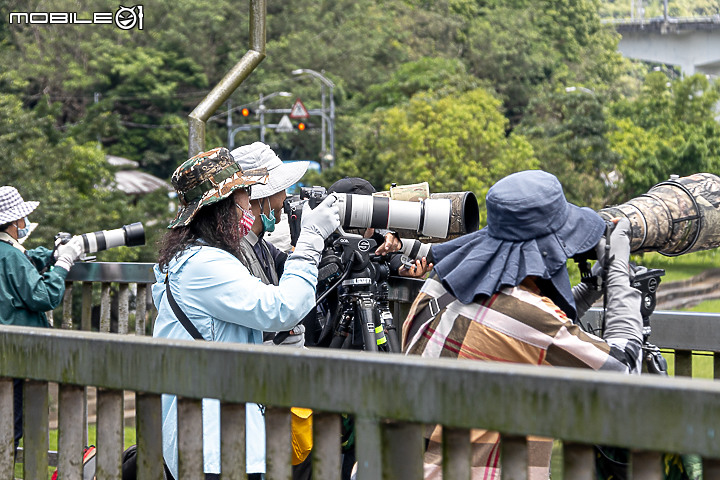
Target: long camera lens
column 128, row 235
column 430, row 217
column 678, row 216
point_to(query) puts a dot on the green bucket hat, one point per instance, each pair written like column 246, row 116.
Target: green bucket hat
column 207, row 178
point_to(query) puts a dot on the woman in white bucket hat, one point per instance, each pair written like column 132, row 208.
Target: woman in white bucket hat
column 26, row 293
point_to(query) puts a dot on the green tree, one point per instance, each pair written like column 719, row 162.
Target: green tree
column 454, row 143
column 568, row 131
column 72, row 182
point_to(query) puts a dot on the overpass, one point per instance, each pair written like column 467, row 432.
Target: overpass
column 692, row 43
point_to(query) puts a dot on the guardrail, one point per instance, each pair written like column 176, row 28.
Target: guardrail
column 391, row 396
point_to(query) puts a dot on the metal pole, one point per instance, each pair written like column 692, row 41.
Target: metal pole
column 324, row 141
column 261, row 109
column 332, row 125
column 198, row 117
column 231, row 137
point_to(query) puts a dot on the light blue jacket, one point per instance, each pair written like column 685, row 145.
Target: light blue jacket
column 226, row 304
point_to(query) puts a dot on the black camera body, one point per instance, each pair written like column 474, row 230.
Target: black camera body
column 294, row 204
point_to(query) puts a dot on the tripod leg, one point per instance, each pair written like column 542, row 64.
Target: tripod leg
column 366, row 314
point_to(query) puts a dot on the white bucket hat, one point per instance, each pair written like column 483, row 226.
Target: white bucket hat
column 12, row 206
column 281, row 175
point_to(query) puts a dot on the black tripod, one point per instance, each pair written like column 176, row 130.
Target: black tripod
column 361, row 319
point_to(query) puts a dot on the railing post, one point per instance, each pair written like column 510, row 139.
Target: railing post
column 278, row 447
column 72, row 412
column 578, row 461
column 190, row 438
column 683, row 363
column 140, row 308
column 402, row 450
column 148, row 418
column 646, row 465
column 123, row 307
column 7, row 436
column 456, row 453
column 326, row 455
column 86, row 319
column 105, row 307
column 67, row 322
column 513, row 457
column 110, row 433
column 35, row 429
column 367, row 448
column 232, row 438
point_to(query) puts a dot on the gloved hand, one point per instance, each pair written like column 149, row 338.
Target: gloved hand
column 296, row 338
column 586, row 295
column 317, row 224
column 67, row 253
column 623, row 319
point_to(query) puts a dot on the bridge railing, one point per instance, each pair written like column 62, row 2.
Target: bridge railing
column 391, row 396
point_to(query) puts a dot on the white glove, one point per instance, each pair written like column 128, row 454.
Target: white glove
column 69, row 252
column 316, row 225
column 295, row 339
column 623, row 319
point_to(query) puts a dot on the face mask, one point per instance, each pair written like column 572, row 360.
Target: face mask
column 268, row 223
column 23, row 232
column 246, row 221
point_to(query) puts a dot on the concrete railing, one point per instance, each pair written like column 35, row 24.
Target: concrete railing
column 391, row 396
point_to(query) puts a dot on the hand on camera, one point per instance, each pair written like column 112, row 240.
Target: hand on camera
column 317, row 224
column 615, row 254
column 67, row 253
column 323, row 219
column 391, row 244
column 418, row 270
column 623, row 319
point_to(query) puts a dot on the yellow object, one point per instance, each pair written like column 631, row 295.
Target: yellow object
column 302, row 442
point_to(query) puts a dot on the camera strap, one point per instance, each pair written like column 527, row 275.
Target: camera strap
column 184, row 320
column 429, row 312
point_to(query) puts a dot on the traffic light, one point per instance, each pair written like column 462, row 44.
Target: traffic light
column 301, row 126
column 245, row 112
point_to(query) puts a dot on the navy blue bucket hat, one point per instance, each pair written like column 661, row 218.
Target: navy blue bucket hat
column 531, row 230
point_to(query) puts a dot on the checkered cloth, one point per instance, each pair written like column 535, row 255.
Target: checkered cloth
column 515, row 325
column 12, row 206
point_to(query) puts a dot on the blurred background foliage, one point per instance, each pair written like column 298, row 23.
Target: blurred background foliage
column 458, row 93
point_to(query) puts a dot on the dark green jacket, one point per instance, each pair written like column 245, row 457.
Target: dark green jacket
column 25, row 295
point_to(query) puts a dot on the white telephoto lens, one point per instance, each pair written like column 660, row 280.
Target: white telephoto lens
column 436, row 221
column 404, row 215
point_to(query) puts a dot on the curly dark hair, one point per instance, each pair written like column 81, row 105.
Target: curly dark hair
column 216, row 225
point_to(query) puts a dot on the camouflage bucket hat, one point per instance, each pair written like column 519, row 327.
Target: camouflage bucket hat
column 207, row 178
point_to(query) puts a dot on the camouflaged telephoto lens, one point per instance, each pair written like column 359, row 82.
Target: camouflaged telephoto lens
column 678, row 216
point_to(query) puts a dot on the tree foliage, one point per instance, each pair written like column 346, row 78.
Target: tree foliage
column 455, row 92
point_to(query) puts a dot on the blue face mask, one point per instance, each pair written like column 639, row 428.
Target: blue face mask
column 23, row 232
column 268, row 223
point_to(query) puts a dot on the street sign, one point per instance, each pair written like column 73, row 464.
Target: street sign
column 285, row 125
column 298, row 110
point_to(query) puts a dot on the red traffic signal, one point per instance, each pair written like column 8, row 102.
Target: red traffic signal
column 301, row 126
column 245, row 112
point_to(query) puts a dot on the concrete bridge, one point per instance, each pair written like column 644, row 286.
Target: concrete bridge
column 693, row 44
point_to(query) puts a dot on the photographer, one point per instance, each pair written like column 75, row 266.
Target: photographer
column 262, row 258
column 503, row 294
column 388, row 241
column 26, row 293
column 204, row 291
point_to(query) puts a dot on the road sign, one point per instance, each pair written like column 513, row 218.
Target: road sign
column 285, row 125
column 298, row 110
